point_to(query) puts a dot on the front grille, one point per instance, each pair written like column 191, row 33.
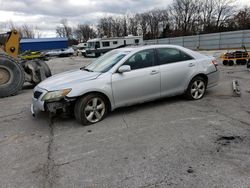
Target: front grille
column 37, row 94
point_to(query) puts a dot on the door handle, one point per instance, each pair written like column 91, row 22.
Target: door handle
column 154, row 72
column 191, row 64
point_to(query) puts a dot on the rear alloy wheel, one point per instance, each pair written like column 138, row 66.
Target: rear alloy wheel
column 196, row 88
column 90, row 109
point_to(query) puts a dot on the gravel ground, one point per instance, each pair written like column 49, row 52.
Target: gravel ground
column 166, row 143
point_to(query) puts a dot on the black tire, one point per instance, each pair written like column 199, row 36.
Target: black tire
column 80, row 108
column 225, row 62
column 248, row 64
column 230, row 62
column 15, row 76
column 238, row 61
column 45, row 68
column 189, row 93
column 84, row 54
column 243, row 62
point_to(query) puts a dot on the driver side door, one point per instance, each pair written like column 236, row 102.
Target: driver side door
column 140, row 84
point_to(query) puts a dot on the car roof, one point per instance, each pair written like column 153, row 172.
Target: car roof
column 142, row 47
column 145, row 47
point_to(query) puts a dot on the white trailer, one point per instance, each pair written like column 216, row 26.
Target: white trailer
column 81, row 48
column 99, row 46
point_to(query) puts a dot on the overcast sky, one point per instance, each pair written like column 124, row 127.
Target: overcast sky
column 46, row 14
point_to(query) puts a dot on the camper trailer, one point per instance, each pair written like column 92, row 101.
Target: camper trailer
column 99, row 46
column 81, row 48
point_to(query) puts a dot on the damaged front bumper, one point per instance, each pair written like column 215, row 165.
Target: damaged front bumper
column 39, row 105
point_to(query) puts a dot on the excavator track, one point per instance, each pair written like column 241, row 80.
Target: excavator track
column 11, row 76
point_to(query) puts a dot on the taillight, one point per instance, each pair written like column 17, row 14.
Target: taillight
column 215, row 63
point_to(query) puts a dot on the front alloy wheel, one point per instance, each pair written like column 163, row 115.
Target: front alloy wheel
column 94, row 110
column 90, row 109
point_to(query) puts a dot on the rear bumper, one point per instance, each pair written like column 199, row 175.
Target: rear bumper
column 213, row 79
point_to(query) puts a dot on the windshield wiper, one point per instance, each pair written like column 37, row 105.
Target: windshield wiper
column 83, row 68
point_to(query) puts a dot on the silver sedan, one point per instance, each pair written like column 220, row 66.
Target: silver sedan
column 124, row 77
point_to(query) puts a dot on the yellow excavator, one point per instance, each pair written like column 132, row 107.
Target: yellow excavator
column 14, row 71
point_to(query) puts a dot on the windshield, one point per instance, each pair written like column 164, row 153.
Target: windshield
column 106, row 62
column 91, row 44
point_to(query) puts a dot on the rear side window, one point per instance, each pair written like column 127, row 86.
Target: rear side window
column 105, row 44
column 136, row 41
column 171, row 55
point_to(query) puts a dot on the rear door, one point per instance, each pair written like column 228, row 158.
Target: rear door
column 176, row 68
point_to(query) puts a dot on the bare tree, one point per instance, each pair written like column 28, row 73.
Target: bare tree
column 207, row 14
column 84, row 32
column 117, row 27
column 25, row 30
column 105, row 26
column 64, row 30
column 132, row 24
column 224, row 11
column 242, row 18
column 156, row 18
column 143, row 23
column 124, row 26
column 182, row 17
column 38, row 33
column 185, row 14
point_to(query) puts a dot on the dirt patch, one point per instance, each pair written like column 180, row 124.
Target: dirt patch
column 226, row 140
column 190, row 170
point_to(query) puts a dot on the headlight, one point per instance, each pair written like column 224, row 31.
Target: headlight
column 55, row 95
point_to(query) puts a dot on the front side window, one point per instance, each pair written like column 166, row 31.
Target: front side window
column 141, row 59
column 171, row 55
column 91, row 44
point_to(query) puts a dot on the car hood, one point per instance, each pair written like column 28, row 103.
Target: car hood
column 67, row 79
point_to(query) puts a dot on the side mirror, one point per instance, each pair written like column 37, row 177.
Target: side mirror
column 124, row 68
